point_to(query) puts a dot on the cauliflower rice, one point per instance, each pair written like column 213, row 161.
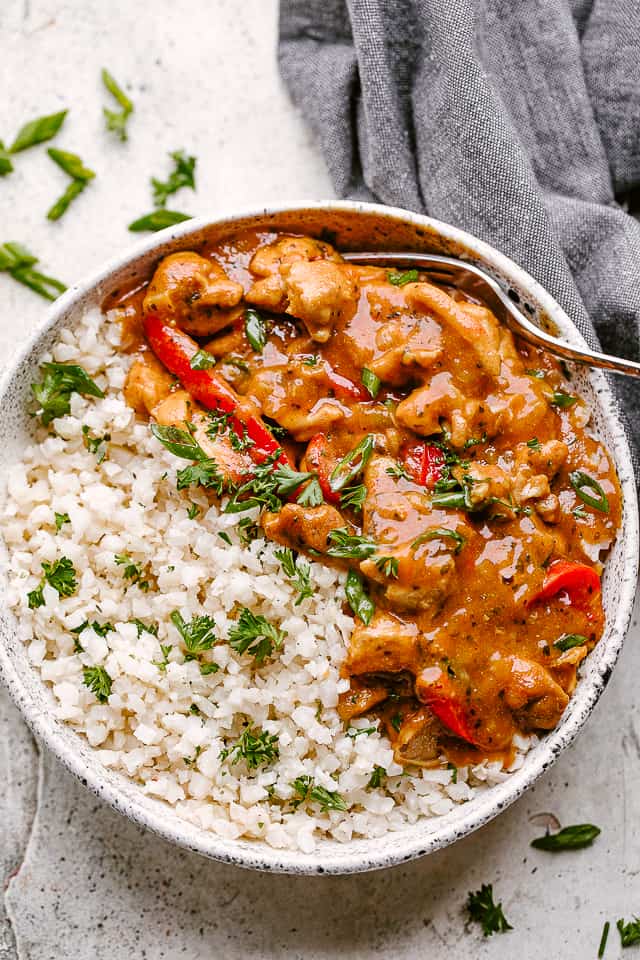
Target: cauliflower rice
column 167, row 727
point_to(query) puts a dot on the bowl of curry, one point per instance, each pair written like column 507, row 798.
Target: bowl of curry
column 472, row 496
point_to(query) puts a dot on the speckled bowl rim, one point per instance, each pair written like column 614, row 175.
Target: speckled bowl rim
column 428, row 834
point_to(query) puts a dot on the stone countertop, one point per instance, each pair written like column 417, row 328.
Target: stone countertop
column 80, row 881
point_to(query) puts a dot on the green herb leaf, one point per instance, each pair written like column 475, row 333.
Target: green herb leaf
column 18, row 262
column 63, row 203
column 132, row 571
column 484, row 911
column 298, row 571
column 158, row 220
column 538, row 374
column 60, row 575
column 96, row 445
column 225, row 536
column 165, row 649
column 6, row 166
column 38, row 131
column 562, row 400
column 569, row 838
column 204, row 474
column 255, row 328
column 327, row 799
column 352, row 465
column 254, row 634
column 534, row 444
column 182, row 175
column 179, row 442
column 437, row 533
column 206, row 669
column 117, row 121
column 388, row 566
column 71, row 164
column 312, row 360
column 378, row 775
column 202, row 361
column 59, row 381
column 454, row 772
column 370, row 382
column 399, row 279
column 198, row 634
column 193, row 511
column 396, row 722
column 142, row 627
column 256, row 747
column 581, row 482
column 358, row 598
column 603, row 940
column 629, row 932
column 354, row 732
column 349, row 546
column 570, row 640
column 311, row 495
column 98, row 681
column 61, row 519
column 353, row 497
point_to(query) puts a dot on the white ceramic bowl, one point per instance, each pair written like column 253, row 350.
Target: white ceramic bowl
column 350, row 226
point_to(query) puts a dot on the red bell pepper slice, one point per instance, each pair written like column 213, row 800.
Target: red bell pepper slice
column 322, row 463
column 344, row 388
column 175, row 349
column 423, row 462
column 577, row 580
column 435, row 689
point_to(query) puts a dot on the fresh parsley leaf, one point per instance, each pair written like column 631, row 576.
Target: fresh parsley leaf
column 59, row 381
column 398, row 472
column 454, row 772
column 311, row 360
column 353, row 498
column 61, row 519
column 357, row 597
column 198, row 634
column 269, row 483
column 38, row 131
column 255, row 328
column 96, row 445
column 132, row 571
column 311, row 495
column 569, row 640
column 158, row 220
column 569, row 838
column 204, row 474
column 344, row 544
column 206, row 669
column 378, row 776
column 98, row 681
column 256, row 747
column 255, row 635
column 484, row 911
column 116, row 121
column 396, row 722
column 388, row 566
column 179, row 442
column 225, row 536
column 142, row 627
column 399, row 279
column 248, row 531
column 299, row 572
column 562, row 400
column 581, row 482
column 306, row 789
column 193, row 511
column 629, row 931
column 182, row 175
column 370, row 382
column 60, row 575
column 201, row 360
column 165, row 649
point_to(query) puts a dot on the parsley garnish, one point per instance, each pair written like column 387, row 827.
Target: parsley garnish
column 198, row 635
column 255, row 328
column 307, row 790
column 98, row 681
column 59, row 381
column 60, row 575
column 629, row 932
column 255, row 635
column 102, row 629
column 61, row 519
column 298, row 571
column 117, row 121
column 165, row 649
column 370, row 382
column 269, row 483
column 203, row 473
column 132, row 571
column 353, row 497
column 142, row 627
column 354, row 732
column 358, row 598
column 182, row 175
column 569, row 838
column 349, row 545
column 193, row 511
column 311, row 360
column 224, row 423
column 377, row 776
column 19, row 263
column 256, row 747
column 225, row 536
column 352, row 465
column 398, row 472
column 484, row 911
column 396, row 722
column 399, row 279
column 96, row 445
column 38, row 131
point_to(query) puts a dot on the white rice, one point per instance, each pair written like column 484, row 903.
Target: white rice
column 149, row 729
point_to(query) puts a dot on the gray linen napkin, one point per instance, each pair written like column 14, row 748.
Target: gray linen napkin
column 517, row 120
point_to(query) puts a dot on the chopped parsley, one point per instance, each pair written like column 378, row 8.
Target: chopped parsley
column 350, row 546
column 270, row 482
column 396, row 722
column 357, row 597
column 60, row 575
column 298, row 571
column 569, row 838
column 454, row 772
column 370, row 382
column 225, row 423
column 398, row 472
column 225, row 536
column 95, row 445
column 142, row 627
column 193, row 511
column 116, row 121
column 61, row 519
column 354, row 732
column 98, row 681
column 132, row 571
column 256, row 747
column 182, row 175
column 59, row 381
column 255, row 635
column 307, row 790
column 204, row 472
column 198, row 634
column 312, row 360
column 165, row 649
column 378, row 775
column 398, row 279
column 353, row 497
column 629, row 932
column 484, row 911
column 102, row 629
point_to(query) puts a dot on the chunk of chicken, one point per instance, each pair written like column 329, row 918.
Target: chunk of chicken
column 439, row 399
column 406, row 344
column 295, row 396
column 565, row 668
column 194, row 292
column 361, row 697
column 530, row 692
column 488, row 486
column 546, row 458
column 270, row 259
column 148, row 382
column 417, row 742
column 536, row 465
column 473, row 323
column 386, row 645
column 302, row 528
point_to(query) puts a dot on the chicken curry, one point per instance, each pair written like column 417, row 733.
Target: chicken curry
column 394, row 428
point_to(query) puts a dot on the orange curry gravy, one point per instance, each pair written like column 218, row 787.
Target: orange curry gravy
column 473, row 531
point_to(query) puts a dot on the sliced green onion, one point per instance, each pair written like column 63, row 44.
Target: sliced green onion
column 399, row 279
column 561, row 399
column 436, row 534
column 158, row 220
column 370, row 382
column 570, row 640
column 580, row 481
column 202, row 361
column 352, row 465
column 37, row 131
column 358, row 598
column 255, row 329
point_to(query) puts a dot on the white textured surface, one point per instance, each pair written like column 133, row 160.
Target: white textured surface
column 90, row 884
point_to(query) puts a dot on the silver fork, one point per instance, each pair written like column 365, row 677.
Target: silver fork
column 476, row 282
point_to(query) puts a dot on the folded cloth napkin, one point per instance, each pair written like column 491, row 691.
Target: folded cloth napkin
column 517, row 120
